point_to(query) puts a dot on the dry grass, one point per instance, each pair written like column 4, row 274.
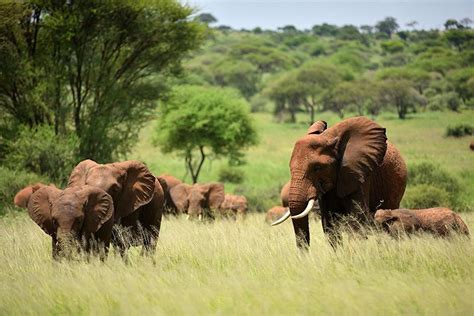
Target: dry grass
column 243, row 268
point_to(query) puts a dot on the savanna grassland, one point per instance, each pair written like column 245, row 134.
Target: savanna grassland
column 248, row 267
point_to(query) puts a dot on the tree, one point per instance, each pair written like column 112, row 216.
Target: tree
column 461, row 80
column 325, row 29
column 98, row 66
column 412, row 24
column 367, row 29
column 206, row 18
column 419, row 78
column 451, row 24
column 350, row 95
column 303, row 87
column 401, row 95
column 201, row 121
column 239, row 74
column 387, row 26
column 460, row 38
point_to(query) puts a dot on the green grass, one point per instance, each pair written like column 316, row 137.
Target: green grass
column 420, row 137
column 245, row 268
column 249, row 268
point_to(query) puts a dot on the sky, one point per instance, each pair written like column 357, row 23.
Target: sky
column 271, row 14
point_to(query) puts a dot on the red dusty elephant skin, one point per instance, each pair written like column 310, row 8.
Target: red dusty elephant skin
column 235, row 206
column 198, row 200
column 351, row 169
column 275, row 213
column 83, row 214
column 23, row 196
column 438, row 221
column 137, row 195
column 168, row 182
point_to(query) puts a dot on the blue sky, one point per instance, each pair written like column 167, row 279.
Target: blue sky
column 271, row 14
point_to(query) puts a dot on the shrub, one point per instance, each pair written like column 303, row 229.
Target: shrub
column 231, row 174
column 12, row 181
column 42, row 152
column 425, row 196
column 460, row 130
column 429, row 185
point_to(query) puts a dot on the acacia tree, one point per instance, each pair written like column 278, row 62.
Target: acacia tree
column 98, row 66
column 401, row 95
column 200, row 121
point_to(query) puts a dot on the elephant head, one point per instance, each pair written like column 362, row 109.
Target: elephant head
column 197, row 198
column 397, row 221
column 336, row 160
column 168, row 182
column 77, row 213
column 23, row 196
column 129, row 183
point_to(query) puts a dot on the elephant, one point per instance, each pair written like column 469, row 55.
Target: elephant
column 137, row 195
column 439, row 221
column 198, row 200
column 350, row 169
column 471, row 146
column 235, row 206
column 168, row 182
column 23, row 196
column 82, row 214
column 285, row 194
column 275, row 213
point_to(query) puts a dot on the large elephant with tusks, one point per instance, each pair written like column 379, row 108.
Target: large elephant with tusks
column 350, row 169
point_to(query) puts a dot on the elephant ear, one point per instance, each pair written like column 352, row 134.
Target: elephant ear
column 79, row 173
column 98, row 209
column 40, row 205
column 216, row 194
column 317, row 128
column 137, row 188
column 180, row 196
column 361, row 149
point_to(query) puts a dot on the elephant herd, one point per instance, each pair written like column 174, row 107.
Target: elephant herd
column 348, row 173
column 121, row 204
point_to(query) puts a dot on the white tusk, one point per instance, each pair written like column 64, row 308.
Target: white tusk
column 187, row 217
column 306, row 211
column 200, row 217
column 282, row 219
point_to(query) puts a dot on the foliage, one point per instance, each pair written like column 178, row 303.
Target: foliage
column 387, row 26
column 206, row 18
column 401, row 95
column 393, row 46
column 231, row 174
column 95, row 68
column 12, row 181
column 205, row 121
column 425, row 196
column 241, row 75
column 39, row 150
column 432, row 175
column 460, row 130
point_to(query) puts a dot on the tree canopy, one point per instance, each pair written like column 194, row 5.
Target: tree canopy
column 198, row 122
column 92, row 68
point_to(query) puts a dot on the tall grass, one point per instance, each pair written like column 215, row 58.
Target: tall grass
column 243, row 268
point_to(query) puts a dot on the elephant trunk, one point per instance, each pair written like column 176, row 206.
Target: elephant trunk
column 302, row 191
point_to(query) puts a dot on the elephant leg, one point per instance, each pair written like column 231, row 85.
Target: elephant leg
column 331, row 229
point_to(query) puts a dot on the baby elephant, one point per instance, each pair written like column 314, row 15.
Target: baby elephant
column 438, row 221
column 80, row 216
column 234, row 206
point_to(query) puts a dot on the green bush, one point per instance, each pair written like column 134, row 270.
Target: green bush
column 460, row 130
column 42, row 152
column 231, row 174
column 426, row 196
column 429, row 185
column 12, row 181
